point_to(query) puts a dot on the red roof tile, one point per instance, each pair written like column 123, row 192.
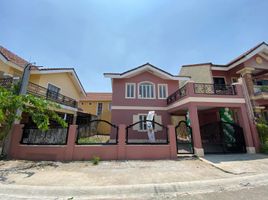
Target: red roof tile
column 12, row 57
column 96, row 96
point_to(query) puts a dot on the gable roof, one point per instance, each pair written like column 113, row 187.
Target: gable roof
column 98, row 96
column 146, row 67
column 258, row 46
column 12, row 57
column 242, row 58
column 19, row 63
column 61, row 70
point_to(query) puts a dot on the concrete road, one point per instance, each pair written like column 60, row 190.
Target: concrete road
column 215, row 177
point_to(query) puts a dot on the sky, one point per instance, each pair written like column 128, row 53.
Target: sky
column 98, row 36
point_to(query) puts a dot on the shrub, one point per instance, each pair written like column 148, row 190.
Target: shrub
column 95, row 160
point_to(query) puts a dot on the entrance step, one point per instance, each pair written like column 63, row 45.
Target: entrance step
column 186, row 156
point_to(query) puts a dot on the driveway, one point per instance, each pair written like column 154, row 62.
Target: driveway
column 239, row 163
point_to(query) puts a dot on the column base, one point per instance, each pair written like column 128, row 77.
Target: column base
column 251, row 150
column 199, row 152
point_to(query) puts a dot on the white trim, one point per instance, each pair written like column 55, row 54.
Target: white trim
column 253, row 53
column 219, row 77
column 182, row 102
column 126, row 84
column 206, row 100
column 138, row 90
column 67, row 107
column 61, row 71
column 158, row 90
column 146, row 68
column 138, row 108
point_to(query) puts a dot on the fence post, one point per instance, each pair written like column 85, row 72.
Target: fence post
column 121, row 150
column 172, row 142
column 70, row 142
column 15, row 138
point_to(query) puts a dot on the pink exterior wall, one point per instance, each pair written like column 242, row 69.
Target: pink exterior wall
column 119, row 90
column 71, row 151
column 208, row 116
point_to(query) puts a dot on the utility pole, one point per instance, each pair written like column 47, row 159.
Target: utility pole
column 25, row 78
column 23, row 86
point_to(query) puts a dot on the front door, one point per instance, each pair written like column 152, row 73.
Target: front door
column 184, row 138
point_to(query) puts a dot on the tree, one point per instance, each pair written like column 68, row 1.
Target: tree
column 40, row 110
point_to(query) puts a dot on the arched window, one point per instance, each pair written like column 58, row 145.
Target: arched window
column 146, row 90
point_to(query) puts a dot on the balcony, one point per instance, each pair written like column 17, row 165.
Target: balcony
column 203, row 90
column 40, row 91
column 260, row 90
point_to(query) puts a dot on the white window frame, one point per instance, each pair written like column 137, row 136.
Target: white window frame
column 166, row 87
column 134, row 90
column 154, row 94
column 98, row 108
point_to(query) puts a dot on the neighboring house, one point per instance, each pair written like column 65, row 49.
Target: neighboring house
column 60, row 85
column 98, row 104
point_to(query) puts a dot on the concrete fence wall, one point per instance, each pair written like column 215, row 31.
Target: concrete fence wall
column 71, row 151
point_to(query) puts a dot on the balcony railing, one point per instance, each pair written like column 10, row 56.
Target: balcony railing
column 6, row 82
column 260, row 89
column 214, row 89
column 177, row 95
column 197, row 89
column 40, row 91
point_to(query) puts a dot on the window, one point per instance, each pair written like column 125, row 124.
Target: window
column 110, row 106
column 162, row 91
column 130, row 90
column 143, row 125
column 99, row 109
column 52, row 91
column 219, row 80
column 146, row 90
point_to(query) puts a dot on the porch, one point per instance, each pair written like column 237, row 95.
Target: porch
column 211, row 131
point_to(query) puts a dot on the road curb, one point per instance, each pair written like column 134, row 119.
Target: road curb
column 129, row 191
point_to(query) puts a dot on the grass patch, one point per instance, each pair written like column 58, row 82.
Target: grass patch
column 94, row 139
column 95, row 160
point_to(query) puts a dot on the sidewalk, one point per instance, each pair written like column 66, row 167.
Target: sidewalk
column 130, row 179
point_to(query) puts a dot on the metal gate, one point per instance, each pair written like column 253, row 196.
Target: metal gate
column 184, row 138
column 222, row 137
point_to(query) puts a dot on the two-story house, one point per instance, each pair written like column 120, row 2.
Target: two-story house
column 217, row 114
column 60, row 85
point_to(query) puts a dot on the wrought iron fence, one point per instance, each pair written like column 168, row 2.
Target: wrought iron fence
column 222, row 137
column 138, row 133
column 40, row 91
column 177, row 95
column 97, row 132
column 206, row 88
column 53, row 136
column 184, row 138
